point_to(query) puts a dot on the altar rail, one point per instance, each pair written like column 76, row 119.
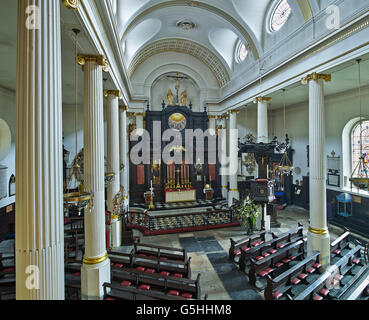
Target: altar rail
column 187, row 222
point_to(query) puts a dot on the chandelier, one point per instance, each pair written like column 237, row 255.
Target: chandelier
column 77, row 200
column 360, row 175
column 285, row 166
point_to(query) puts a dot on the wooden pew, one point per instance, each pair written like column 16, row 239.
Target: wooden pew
column 7, row 288
column 160, row 252
column 169, row 285
column 274, row 262
column 153, row 265
column 340, row 244
column 117, row 292
column 270, row 247
column 5, row 267
column 240, row 245
column 283, row 284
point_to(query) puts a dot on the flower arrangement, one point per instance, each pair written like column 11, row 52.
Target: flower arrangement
column 247, row 213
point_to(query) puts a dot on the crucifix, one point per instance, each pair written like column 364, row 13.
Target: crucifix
column 177, row 78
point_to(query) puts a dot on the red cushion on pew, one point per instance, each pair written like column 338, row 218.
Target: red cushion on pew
column 265, row 254
column 110, row 299
column 262, row 273
column 281, row 245
column 279, row 264
column 186, row 295
column 318, row 297
column 165, row 273
column 126, row 283
column 153, row 257
column 77, row 274
column 292, row 257
column 173, row 293
column 356, row 261
column 238, row 252
column 163, row 258
column 338, row 277
column 324, row 292
column 295, row 281
column 152, row 271
column 140, row 269
column 302, row 276
column 178, row 275
column 8, row 270
column 112, row 264
column 311, row 270
column 118, row 265
column 277, row 295
column 246, row 249
column 317, row 265
column 145, row 287
column 142, row 255
column 259, row 258
column 337, row 251
column 272, row 251
column 286, row 260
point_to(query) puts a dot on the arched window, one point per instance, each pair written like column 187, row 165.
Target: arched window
column 241, row 52
column 359, row 144
column 280, row 15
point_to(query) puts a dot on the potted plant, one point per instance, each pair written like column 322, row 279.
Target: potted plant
column 247, row 213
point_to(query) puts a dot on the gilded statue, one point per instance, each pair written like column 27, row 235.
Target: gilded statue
column 170, row 98
column 184, row 98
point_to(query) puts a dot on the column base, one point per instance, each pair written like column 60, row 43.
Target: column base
column 321, row 243
column 92, row 279
column 233, row 195
column 116, row 233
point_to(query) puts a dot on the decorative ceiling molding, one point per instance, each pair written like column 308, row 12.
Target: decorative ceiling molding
column 200, row 5
column 183, row 46
column 305, row 8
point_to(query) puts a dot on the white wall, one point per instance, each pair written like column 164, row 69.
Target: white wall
column 340, row 109
column 8, row 113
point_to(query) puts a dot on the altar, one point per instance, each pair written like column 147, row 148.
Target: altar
column 185, row 195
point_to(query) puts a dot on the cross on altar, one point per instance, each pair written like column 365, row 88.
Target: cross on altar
column 177, row 77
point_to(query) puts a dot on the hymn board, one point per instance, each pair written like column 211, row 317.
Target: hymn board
column 174, row 182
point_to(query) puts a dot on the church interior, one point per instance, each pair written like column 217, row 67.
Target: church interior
column 184, row 150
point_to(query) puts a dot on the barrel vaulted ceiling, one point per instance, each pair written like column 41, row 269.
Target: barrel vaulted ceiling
column 220, row 25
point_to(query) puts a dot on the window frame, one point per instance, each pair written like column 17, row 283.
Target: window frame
column 238, row 50
column 272, row 12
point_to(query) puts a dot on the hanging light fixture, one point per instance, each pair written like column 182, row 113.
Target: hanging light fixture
column 80, row 199
column 360, row 175
column 285, row 166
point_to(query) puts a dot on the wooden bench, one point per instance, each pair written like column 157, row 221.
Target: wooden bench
column 7, row 287
column 150, row 264
column 160, row 251
column 340, row 244
column 118, row 292
column 270, row 247
column 283, row 284
column 170, row 285
column 260, row 267
column 245, row 243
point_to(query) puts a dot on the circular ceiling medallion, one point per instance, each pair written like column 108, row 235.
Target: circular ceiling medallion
column 177, row 121
column 5, row 139
column 186, row 25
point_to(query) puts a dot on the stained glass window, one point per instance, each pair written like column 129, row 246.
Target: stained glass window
column 280, row 15
column 356, row 145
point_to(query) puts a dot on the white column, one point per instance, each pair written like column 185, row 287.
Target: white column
column 223, row 156
column 124, row 156
column 233, row 156
column 96, row 265
column 212, row 124
column 39, row 220
column 113, row 158
column 318, row 235
column 263, row 135
column 139, row 123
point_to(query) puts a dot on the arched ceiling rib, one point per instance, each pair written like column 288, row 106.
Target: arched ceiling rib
column 245, row 33
column 184, row 46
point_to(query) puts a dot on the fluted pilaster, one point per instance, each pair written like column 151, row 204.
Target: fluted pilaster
column 39, row 201
column 124, row 156
column 223, row 156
